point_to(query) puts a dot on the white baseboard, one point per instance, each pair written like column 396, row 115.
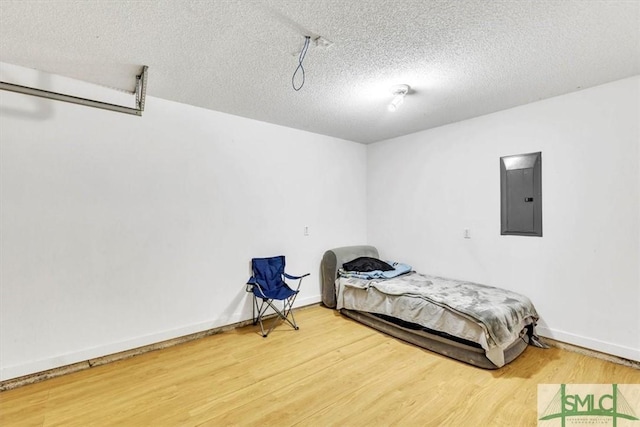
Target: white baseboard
column 86, row 355
column 590, row 343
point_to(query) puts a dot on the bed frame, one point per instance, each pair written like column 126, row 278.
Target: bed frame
column 333, row 260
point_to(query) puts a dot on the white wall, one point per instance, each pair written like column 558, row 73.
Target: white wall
column 120, row 231
column 424, row 189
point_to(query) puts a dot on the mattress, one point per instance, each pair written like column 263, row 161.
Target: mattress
column 493, row 326
column 448, row 332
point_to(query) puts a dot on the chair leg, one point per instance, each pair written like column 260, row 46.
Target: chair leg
column 260, row 309
column 295, row 325
column 253, row 309
column 287, row 310
column 278, row 316
column 290, row 302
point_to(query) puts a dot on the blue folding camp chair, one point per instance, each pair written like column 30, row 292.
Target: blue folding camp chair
column 267, row 285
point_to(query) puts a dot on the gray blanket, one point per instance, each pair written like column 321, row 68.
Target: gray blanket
column 499, row 311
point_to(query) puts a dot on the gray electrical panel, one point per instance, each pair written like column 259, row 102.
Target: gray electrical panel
column 521, row 195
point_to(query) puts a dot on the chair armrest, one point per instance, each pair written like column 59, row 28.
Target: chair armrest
column 251, row 283
column 288, row 276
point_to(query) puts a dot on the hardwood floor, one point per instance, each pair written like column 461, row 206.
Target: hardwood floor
column 333, row 371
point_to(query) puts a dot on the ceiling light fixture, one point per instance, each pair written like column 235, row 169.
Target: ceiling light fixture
column 398, row 92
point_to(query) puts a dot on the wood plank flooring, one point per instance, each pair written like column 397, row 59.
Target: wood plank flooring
column 333, row 371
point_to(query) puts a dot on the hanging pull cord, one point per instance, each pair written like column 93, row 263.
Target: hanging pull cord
column 303, row 53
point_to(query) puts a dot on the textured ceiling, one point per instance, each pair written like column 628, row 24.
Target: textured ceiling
column 461, row 58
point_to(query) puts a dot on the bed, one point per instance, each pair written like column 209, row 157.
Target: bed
column 488, row 334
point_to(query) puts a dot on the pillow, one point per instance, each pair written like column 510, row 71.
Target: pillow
column 365, row 264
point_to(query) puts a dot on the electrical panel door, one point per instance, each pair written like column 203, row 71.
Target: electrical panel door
column 521, row 194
